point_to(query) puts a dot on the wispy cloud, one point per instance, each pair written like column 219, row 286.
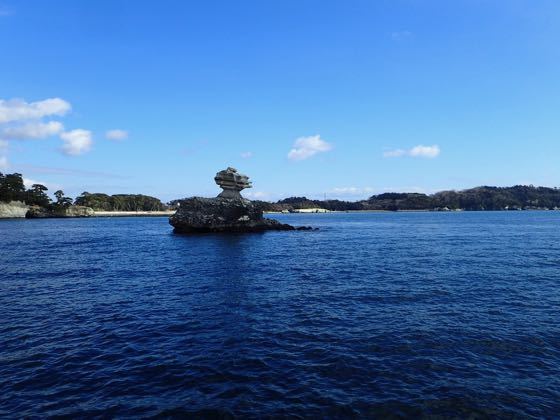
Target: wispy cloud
column 246, row 155
column 4, row 163
column 400, row 35
column 76, row 142
column 194, row 147
column 417, row 151
column 32, row 130
column 411, row 189
column 351, row 191
column 4, row 11
column 116, row 134
column 66, row 171
column 257, row 195
column 28, row 182
column 306, row 147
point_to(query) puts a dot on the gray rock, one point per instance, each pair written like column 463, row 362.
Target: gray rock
column 13, row 209
column 229, row 212
column 79, row 211
column 232, row 183
column 37, row 212
column 200, row 215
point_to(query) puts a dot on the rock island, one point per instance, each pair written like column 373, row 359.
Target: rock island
column 228, row 212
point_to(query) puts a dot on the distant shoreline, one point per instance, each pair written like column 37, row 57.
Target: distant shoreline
column 410, row 211
column 161, row 213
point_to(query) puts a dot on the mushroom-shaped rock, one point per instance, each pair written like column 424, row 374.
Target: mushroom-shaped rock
column 229, row 212
column 232, row 183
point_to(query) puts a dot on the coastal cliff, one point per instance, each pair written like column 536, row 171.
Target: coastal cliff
column 13, row 209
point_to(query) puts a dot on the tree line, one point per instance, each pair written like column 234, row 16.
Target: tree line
column 120, row 202
column 12, row 188
column 519, row 197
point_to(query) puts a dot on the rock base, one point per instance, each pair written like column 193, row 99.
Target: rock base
column 37, row 212
column 204, row 215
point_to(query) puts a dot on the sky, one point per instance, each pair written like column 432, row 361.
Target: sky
column 337, row 99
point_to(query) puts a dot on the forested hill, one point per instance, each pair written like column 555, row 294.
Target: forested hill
column 519, row 197
column 12, row 188
column 119, row 202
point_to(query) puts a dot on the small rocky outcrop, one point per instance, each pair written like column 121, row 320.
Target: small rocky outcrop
column 229, row 212
column 37, row 212
column 79, row 211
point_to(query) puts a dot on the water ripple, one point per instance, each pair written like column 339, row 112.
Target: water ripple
column 374, row 315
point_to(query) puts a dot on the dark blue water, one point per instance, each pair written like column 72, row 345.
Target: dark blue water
column 374, row 315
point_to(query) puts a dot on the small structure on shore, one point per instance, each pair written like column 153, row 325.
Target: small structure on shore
column 228, row 212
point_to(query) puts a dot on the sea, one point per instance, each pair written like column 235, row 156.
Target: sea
column 373, row 315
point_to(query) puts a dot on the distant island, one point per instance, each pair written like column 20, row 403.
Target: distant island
column 35, row 202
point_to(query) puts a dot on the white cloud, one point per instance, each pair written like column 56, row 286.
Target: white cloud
column 246, row 155
column 19, row 110
column 256, row 195
column 4, row 163
column 417, row 151
column 32, row 130
column 305, row 147
column 29, row 182
column 395, row 153
column 351, row 190
column 116, row 134
column 76, row 142
column 21, row 120
column 425, row 151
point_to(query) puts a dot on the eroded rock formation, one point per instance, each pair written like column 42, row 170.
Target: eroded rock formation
column 229, row 212
column 232, row 183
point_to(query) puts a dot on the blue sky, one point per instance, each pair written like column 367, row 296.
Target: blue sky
column 343, row 98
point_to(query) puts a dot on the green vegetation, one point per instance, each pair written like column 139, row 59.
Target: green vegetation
column 119, row 202
column 519, row 197
column 62, row 202
column 12, row 188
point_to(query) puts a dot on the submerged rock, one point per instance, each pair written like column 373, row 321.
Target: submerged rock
column 229, row 212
